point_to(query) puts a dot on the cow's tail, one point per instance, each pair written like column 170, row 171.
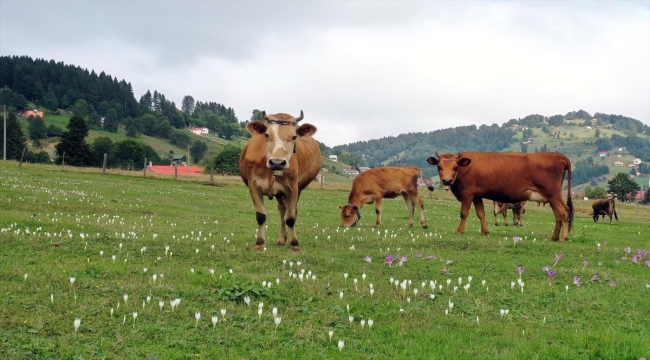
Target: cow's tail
column 614, row 209
column 429, row 186
column 568, row 196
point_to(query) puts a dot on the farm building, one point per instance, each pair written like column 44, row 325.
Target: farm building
column 169, row 169
column 201, row 131
column 31, row 112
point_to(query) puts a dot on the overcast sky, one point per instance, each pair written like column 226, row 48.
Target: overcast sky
column 360, row 70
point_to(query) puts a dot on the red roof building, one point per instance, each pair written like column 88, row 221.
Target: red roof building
column 169, row 170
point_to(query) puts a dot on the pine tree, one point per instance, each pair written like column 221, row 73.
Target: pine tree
column 73, row 143
column 15, row 138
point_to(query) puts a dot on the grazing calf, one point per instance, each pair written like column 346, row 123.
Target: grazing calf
column 507, row 177
column 384, row 182
column 280, row 160
column 517, row 212
column 604, row 207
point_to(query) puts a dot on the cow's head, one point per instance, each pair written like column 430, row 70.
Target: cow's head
column 448, row 165
column 281, row 132
column 350, row 215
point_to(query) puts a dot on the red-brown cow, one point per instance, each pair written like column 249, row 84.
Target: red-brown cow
column 280, row 160
column 384, row 182
column 517, row 208
column 507, row 177
column 604, row 207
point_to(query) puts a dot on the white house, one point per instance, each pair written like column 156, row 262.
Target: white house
column 201, row 131
column 351, row 171
column 637, row 161
column 334, row 157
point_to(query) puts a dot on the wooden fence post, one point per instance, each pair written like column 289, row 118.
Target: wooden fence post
column 145, row 167
column 212, row 175
column 21, row 158
column 104, row 164
column 176, row 172
column 63, row 160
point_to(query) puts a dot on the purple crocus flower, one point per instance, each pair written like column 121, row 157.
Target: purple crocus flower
column 516, row 239
column 520, row 270
column 419, row 255
column 605, row 243
column 546, row 268
column 647, row 262
column 367, row 259
column 431, row 257
column 577, row 281
column 595, row 278
column 557, row 258
column 627, row 250
column 613, row 283
column 551, row 275
column 389, row 259
column 585, row 263
column 635, row 258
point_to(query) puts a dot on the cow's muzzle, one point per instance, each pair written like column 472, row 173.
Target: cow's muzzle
column 447, row 183
column 277, row 164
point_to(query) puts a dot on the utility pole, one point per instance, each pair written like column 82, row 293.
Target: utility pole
column 4, row 150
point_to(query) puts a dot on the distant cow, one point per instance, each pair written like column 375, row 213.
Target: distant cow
column 604, row 207
column 507, row 177
column 280, row 160
column 384, row 182
column 517, row 208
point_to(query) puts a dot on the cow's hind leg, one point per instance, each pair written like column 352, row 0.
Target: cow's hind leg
column 282, row 208
column 410, row 205
column 416, row 200
column 480, row 212
column 561, row 212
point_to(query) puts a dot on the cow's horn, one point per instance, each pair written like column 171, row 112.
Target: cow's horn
column 438, row 156
column 302, row 116
column 264, row 115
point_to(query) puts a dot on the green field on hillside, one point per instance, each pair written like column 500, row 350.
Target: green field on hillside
column 114, row 250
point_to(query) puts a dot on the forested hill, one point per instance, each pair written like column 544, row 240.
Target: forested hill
column 578, row 134
column 54, row 85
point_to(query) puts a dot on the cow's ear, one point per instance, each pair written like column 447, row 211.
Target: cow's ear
column 341, row 207
column 306, row 130
column 256, row 127
column 433, row 161
column 464, row 162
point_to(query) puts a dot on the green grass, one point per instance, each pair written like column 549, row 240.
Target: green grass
column 545, row 321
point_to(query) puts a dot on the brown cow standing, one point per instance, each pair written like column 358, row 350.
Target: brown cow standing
column 280, row 160
column 507, row 177
column 384, row 182
column 604, row 207
column 517, row 208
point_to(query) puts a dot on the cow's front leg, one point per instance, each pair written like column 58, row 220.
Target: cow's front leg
column 282, row 208
column 466, row 204
column 480, row 212
column 379, row 202
column 423, row 221
column 260, row 215
column 290, row 217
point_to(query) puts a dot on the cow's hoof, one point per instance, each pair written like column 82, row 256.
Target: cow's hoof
column 425, row 226
column 485, row 233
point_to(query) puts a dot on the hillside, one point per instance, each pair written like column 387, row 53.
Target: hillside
column 578, row 135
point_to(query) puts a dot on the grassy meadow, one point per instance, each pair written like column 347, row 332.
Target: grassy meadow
column 133, row 245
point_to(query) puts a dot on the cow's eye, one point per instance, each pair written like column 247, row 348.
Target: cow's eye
column 294, row 138
column 347, row 216
column 267, row 137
